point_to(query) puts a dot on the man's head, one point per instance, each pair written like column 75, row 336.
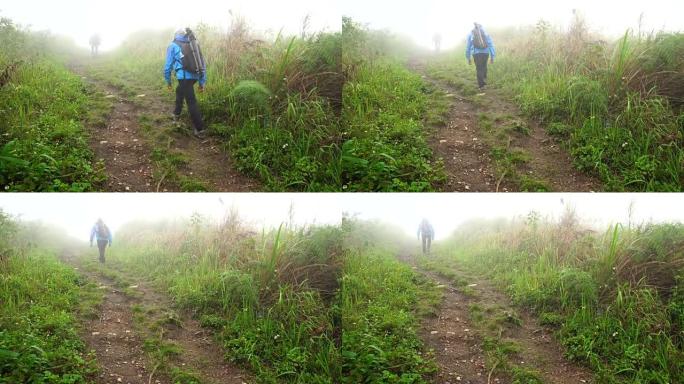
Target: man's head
column 99, row 221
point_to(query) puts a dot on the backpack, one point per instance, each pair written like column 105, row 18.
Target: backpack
column 192, row 61
column 479, row 39
column 102, row 232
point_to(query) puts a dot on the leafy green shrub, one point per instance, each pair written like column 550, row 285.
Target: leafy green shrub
column 39, row 340
column 252, row 99
column 379, row 338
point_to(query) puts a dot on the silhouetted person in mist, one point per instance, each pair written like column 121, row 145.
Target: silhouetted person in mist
column 437, row 40
column 426, row 233
column 95, row 42
column 481, row 47
column 184, row 57
column 103, row 235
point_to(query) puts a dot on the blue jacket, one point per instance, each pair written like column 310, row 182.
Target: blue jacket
column 94, row 234
column 471, row 50
column 174, row 62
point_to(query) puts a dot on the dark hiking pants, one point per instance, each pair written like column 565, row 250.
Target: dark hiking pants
column 186, row 92
column 101, row 246
column 427, row 241
column 481, row 65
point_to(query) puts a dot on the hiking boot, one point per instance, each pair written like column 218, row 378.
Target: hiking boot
column 199, row 134
column 176, row 119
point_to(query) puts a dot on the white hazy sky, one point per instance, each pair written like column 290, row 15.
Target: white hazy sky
column 454, row 19
column 77, row 212
column 113, row 20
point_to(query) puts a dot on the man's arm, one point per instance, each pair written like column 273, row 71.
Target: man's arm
column 469, row 46
column 92, row 235
column 109, row 235
column 490, row 44
column 170, row 60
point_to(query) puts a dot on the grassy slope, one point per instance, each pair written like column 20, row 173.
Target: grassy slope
column 41, row 301
column 384, row 108
column 251, row 292
column 43, row 145
column 616, row 300
column 382, row 302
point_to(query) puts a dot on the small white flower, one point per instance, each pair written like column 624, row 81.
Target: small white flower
column 615, row 334
column 286, row 145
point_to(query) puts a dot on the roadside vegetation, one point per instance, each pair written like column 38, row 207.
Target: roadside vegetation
column 43, row 144
column 382, row 303
column 616, row 105
column 384, row 105
column 273, row 102
column 614, row 298
column 41, row 302
column 269, row 297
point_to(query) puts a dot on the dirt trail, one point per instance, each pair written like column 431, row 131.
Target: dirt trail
column 120, row 146
column 462, row 144
column 126, row 149
column 466, row 156
column 116, row 340
column 458, row 341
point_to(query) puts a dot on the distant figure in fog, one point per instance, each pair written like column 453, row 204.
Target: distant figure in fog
column 437, row 40
column 480, row 47
column 427, row 234
column 103, row 235
column 95, row 42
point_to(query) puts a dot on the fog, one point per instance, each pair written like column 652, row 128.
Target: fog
column 114, row 20
column 77, row 212
column 420, row 20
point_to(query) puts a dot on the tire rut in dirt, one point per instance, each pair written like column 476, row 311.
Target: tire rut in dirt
column 458, row 341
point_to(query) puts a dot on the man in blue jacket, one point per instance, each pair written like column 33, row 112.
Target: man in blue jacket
column 426, row 233
column 481, row 47
column 103, row 235
column 175, row 54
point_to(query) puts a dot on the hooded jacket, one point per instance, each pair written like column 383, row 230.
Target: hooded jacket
column 425, row 229
column 174, row 62
column 94, row 233
column 470, row 47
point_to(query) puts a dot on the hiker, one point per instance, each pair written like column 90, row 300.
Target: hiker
column 427, row 234
column 481, row 48
column 184, row 57
column 437, row 40
column 103, row 236
column 95, row 42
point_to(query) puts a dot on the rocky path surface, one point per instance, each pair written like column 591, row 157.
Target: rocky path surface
column 466, row 147
column 471, row 315
column 144, row 150
column 119, row 334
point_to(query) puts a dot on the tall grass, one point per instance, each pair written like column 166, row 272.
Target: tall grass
column 385, row 146
column 43, row 145
column 382, row 302
column 616, row 104
column 615, row 297
column 40, row 303
column 269, row 296
column 293, row 142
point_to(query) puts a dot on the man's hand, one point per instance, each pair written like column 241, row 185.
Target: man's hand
column 169, row 87
column 491, row 60
column 201, row 89
column 470, row 62
column 110, row 244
